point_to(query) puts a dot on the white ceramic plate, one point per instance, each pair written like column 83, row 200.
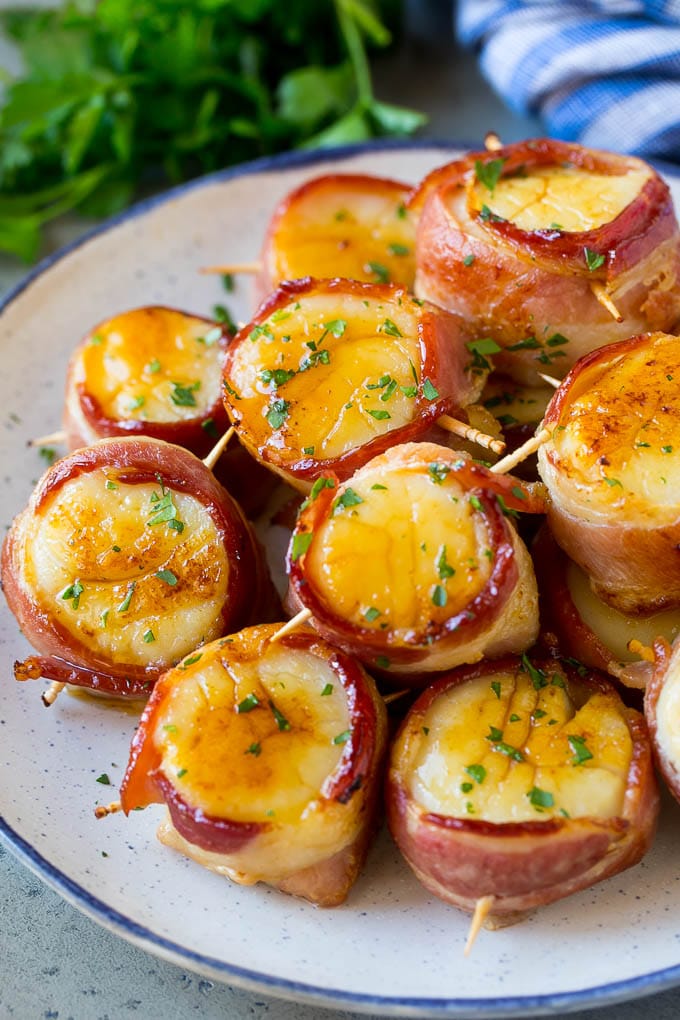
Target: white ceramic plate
column 392, row 948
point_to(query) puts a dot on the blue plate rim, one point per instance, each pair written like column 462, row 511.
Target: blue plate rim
column 100, row 912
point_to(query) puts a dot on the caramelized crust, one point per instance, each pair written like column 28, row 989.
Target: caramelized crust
column 612, row 471
column 520, row 780
column 331, row 372
column 349, row 225
column 268, row 758
column 413, row 563
column 128, row 555
column 526, row 282
column 152, row 371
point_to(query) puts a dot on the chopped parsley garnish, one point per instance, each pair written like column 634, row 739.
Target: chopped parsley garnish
column 540, row 798
column 494, row 733
column 444, row 568
column 277, row 376
column 250, row 702
column 300, row 544
column 489, row 172
column 391, row 328
column 48, row 454
column 537, row 676
column 277, row 414
column 439, row 596
column 612, row 482
column 125, row 604
column 254, row 749
column 479, row 349
column 336, row 327
column 183, row 396
column 167, row 576
column 380, row 415
column 487, row 216
column 382, row 662
column 475, row 503
column 103, row 779
column 210, row 427
column 110, row 484
column 398, row 249
column 593, row 259
column 96, row 339
column 438, row 472
column 148, row 637
column 518, row 493
column 72, row 594
column 508, row 750
column 342, row 738
column 181, row 773
column 347, row 499
column 281, row 720
column 137, row 402
column 468, row 260
column 103, row 618
column 371, row 614
column 581, row 752
column 430, row 392
column 328, row 689
column 164, row 511
column 223, row 315
column 477, row 772
column 308, row 450
column 319, row 485
column 264, row 329
column 496, row 688
column 228, row 282
column 191, row 660
column 154, row 366
column 381, row 272
column 466, row 787
column 514, row 717
column 505, row 509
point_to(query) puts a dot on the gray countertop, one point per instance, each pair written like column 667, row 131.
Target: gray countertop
column 56, row 963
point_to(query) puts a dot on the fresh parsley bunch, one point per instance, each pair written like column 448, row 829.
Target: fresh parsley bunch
column 119, row 95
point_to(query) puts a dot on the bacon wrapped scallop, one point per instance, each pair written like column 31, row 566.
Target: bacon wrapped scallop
column 269, row 758
column 151, row 371
column 612, row 469
column 156, row 371
column 586, row 627
column 331, row 372
column 350, row 225
column 413, row 565
column 522, row 781
column 128, row 556
column 550, row 250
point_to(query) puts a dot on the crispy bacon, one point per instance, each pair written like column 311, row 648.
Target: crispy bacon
column 128, row 576
column 309, row 847
column 512, row 841
column 530, row 290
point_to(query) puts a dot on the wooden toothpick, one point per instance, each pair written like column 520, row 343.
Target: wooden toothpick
column 550, row 379
column 49, row 696
column 460, row 428
column 521, row 453
column 293, row 624
column 51, row 437
column 389, row 698
column 218, row 449
column 600, row 292
column 233, row 267
column 482, row 910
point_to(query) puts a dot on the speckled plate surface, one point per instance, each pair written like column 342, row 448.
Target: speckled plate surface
column 391, row 948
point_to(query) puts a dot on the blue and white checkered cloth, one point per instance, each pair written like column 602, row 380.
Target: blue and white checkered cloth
column 605, row 73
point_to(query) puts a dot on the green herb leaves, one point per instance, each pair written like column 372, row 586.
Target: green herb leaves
column 128, row 91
